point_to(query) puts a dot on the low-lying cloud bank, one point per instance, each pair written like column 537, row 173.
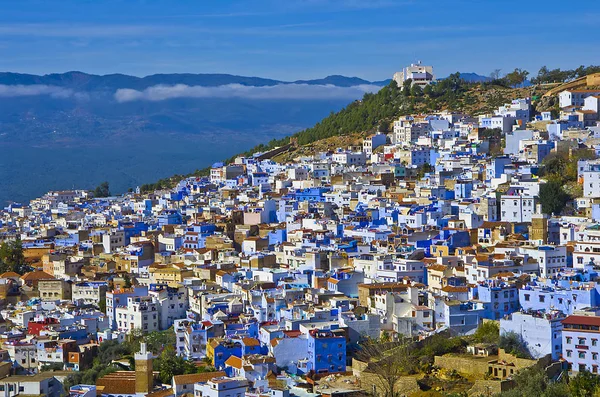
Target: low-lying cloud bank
column 280, row 91
column 35, row 89
column 165, row 92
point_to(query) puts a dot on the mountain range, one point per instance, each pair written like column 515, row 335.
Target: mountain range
column 75, row 130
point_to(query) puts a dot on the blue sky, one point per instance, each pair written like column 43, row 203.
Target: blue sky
column 295, row 39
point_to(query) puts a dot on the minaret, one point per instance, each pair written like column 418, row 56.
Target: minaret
column 539, row 226
column 144, row 379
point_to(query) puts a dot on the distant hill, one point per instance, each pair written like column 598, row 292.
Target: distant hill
column 65, row 130
column 473, row 77
column 91, row 82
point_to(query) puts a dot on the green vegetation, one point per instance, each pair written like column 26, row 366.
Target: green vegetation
column 380, row 109
column 52, row 367
column 516, row 77
column 127, row 281
column 376, row 111
column 560, row 171
column 584, row 384
column 102, row 190
column 169, row 365
column 553, row 197
column 488, row 332
column 12, row 258
column 159, row 342
column 102, row 365
column 534, row 382
column 511, row 343
column 546, row 75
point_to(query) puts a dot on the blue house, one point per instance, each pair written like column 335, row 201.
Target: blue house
column 252, row 346
column 312, row 194
column 326, row 351
column 567, row 300
column 169, row 217
column 497, row 300
column 220, row 350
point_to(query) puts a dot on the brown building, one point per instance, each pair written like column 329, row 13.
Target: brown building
column 31, row 279
column 82, row 358
column 367, row 290
column 54, row 289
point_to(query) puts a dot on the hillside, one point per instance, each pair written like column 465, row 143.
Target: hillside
column 378, row 110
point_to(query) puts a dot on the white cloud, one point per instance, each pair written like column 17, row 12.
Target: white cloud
column 280, row 91
column 35, row 89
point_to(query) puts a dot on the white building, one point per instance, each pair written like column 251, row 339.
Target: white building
column 350, row 158
column 574, row 97
column 517, row 208
column 139, row 313
column 372, row 142
column 419, row 74
column 540, row 333
column 407, row 131
column 580, row 346
column 591, row 184
column 89, row 292
column 222, row 387
column 586, row 252
column 550, row 258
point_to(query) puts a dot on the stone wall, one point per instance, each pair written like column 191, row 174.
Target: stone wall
column 519, row 363
column 465, row 365
column 405, row 385
column 593, row 79
column 489, row 387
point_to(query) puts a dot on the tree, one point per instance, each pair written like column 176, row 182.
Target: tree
column 554, row 164
column 102, row 305
column 169, row 364
column 416, row 90
column 584, row 384
column 534, row 382
column 495, row 75
column 406, row 86
column 157, row 341
column 516, row 77
column 384, row 127
column 386, row 365
column 488, row 332
column 511, row 343
column 428, row 90
column 52, row 367
column 126, row 281
column 12, row 258
column 102, row 190
column 553, row 197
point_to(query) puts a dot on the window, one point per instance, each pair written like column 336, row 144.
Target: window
column 569, row 339
column 527, row 297
column 581, row 354
column 569, row 352
column 542, row 298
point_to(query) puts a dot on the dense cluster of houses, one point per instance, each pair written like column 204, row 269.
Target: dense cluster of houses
column 276, row 271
